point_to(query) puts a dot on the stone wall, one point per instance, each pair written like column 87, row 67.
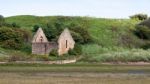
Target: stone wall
column 65, row 42
column 43, row 48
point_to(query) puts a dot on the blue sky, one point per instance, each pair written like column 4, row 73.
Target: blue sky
column 92, row 8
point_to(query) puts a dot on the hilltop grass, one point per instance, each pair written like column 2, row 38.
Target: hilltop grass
column 113, row 39
column 113, row 32
column 104, row 32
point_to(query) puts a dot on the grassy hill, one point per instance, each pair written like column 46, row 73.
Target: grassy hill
column 105, row 32
column 112, row 38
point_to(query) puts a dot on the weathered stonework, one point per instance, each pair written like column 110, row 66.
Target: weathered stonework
column 41, row 46
column 39, row 37
column 65, row 42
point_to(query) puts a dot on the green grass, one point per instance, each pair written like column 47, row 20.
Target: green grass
column 95, row 53
column 94, row 68
column 105, row 32
column 100, row 29
column 74, row 78
column 108, row 32
column 73, row 74
column 113, row 39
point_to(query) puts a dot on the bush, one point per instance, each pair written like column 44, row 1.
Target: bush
column 17, row 56
column 15, row 25
column 10, row 38
column 43, row 58
column 139, row 16
column 35, row 28
column 146, row 46
column 11, row 44
column 143, row 32
column 14, row 38
column 129, row 40
column 83, row 32
column 27, row 35
column 53, row 52
column 26, row 48
column 77, row 37
column 145, row 23
column 50, row 31
column 76, row 51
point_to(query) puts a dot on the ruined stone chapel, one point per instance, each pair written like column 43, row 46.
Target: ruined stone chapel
column 41, row 45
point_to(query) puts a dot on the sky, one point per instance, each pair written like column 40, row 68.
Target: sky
column 91, row 8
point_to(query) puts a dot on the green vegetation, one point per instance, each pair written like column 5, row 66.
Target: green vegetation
column 76, row 51
column 79, row 67
column 67, row 78
column 114, row 54
column 99, row 39
column 10, row 38
column 73, row 74
column 139, row 16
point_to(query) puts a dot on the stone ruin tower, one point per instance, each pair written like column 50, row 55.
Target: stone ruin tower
column 41, row 46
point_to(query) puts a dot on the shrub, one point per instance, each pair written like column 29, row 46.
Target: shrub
column 129, row 40
column 139, row 16
column 76, row 51
column 15, row 25
column 26, row 48
column 145, row 23
column 14, row 38
column 11, row 44
column 146, row 46
column 44, row 58
column 83, row 32
column 143, row 32
column 77, row 37
column 50, row 31
column 17, row 56
column 26, row 35
column 53, row 52
column 14, row 58
column 35, row 28
column 10, row 38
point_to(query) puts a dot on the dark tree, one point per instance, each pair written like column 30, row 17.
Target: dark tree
column 35, row 28
column 143, row 32
column 139, row 16
column 15, row 25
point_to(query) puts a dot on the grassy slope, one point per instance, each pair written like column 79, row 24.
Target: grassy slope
column 112, row 37
column 105, row 32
